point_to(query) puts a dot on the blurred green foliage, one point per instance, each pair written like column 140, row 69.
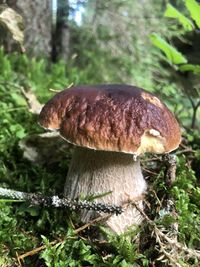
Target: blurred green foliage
column 184, row 69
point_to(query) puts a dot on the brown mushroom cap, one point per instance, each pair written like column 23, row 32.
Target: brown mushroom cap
column 121, row 118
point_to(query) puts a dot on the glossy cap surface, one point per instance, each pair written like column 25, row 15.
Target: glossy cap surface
column 120, row 118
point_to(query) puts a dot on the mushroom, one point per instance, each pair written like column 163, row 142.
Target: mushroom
column 110, row 126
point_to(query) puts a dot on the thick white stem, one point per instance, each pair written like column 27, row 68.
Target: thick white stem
column 96, row 172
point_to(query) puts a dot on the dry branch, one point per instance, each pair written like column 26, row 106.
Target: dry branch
column 57, row 202
column 169, row 247
column 56, row 242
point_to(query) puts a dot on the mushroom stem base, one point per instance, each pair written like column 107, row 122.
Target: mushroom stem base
column 94, row 173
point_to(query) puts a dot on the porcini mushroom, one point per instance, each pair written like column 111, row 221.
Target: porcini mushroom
column 110, row 126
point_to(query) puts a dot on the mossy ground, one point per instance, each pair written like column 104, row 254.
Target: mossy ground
column 24, row 228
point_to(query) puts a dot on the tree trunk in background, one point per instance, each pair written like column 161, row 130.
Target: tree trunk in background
column 61, row 36
column 37, row 16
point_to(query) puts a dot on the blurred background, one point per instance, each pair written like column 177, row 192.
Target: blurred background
column 110, row 42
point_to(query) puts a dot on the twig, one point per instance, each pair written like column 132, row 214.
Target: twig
column 34, row 105
column 187, row 150
column 35, row 251
column 148, row 171
column 76, row 231
column 170, row 242
column 57, row 91
column 57, row 242
column 54, row 90
column 166, row 254
column 56, row 202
